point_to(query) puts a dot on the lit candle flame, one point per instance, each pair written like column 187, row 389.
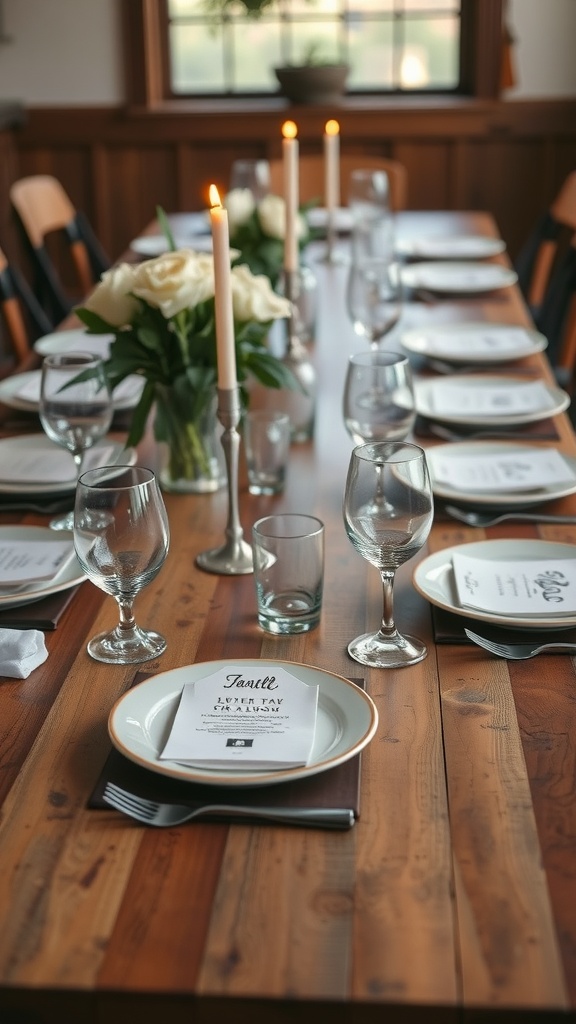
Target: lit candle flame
column 214, row 196
column 332, row 128
column 289, row 130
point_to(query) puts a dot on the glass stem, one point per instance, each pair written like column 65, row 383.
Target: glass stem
column 388, row 627
column 78, row 461
column 127, row 621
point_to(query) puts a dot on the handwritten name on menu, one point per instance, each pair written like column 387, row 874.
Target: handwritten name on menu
column 537, row 587
column 490, row 400
column 245, row 716
column 525, row 469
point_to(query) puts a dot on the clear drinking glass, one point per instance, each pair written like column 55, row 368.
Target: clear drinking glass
column 372, row 220
column 374, row 297
column 388, row 511
column 378, row 403
column 121, row 538
column 253, row 175
column 288, row 572
column 74, row 416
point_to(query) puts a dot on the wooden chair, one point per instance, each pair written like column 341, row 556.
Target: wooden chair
column 23, row 318
column 312, row 177
column 546, row 245
column 42, row 208
column 556, row 319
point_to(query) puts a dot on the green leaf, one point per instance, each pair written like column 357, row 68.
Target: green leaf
column 95, row 324
column 140, row 415
column 166, row 229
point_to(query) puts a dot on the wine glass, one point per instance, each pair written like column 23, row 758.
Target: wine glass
column 74, row 415
column 378, row 403
column 374, row 296
column 121, row 538
column 399, row 472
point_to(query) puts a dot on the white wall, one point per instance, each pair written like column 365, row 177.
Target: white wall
column 67, row 52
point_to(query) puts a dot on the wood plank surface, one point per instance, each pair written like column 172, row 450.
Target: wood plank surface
column 453, row 897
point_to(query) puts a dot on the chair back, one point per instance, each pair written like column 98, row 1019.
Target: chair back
column 556, row 318
column 312, row 177
column 42, row 207
column 22, row 315
column 546, row 245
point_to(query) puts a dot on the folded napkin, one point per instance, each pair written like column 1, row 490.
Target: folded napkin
column 336, row 788
column 540, row 430
column 21, row 651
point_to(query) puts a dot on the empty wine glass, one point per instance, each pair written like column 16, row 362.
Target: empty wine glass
column 374, row 297
column 121, row 538
column 398, row 472
column 378, row 403
column 76, row 415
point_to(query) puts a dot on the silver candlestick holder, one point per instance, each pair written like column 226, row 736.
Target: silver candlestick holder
column 300, row 404
column 234, row 558
column 332, row 255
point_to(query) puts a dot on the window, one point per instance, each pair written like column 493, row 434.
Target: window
column 181, row 49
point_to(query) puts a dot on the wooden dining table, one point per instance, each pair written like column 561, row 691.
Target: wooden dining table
column 453, row 896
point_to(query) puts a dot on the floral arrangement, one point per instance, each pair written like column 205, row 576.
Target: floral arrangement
column 161, row 313
column 258, row 229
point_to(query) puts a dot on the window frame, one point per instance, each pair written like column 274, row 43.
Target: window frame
column 147, row 66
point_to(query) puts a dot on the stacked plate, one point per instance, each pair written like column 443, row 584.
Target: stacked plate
column 141, row 720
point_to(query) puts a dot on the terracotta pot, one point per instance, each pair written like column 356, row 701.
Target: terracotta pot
column 313, row 83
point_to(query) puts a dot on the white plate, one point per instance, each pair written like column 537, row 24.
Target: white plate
column 74, row 340
column 125, row 456
column 513, row 499
column 70, row 574
column 141, row 720
column 156, row 245
column 434, row 578
column 317, row 217
column 426, row 406
column 465, row 278
column 10, row 387
column 443, row 247
column 482, row 343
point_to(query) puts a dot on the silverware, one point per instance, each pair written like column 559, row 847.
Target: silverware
column 491, row 518
column 165, row 815
column 517, row 652
column 447, row 434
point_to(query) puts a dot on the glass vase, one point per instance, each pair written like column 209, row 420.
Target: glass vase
column 192, row 457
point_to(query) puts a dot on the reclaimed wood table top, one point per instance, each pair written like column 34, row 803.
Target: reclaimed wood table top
column 453, row 898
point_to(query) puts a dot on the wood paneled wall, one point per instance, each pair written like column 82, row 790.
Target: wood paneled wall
column 117, row 164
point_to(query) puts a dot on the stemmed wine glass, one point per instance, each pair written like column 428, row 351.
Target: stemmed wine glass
column 387, row 533
column 378, row 402
column 374, row 296
column 372, row 221
column 121, row 537
column 253, row 175
column 74, row 415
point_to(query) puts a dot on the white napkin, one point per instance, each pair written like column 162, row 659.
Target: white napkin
column 21, row 651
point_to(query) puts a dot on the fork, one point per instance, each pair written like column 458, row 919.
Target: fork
column 491, row 518
column 166, row 815
column 518, row 652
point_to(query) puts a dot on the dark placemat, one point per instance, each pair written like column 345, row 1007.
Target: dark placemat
column 44, row 614
column 337, row 787
column 449, row 629
column 541, row 430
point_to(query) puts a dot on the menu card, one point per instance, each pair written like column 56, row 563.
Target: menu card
column 30, row 561
column 524, row 469
column 128, row 388
column 38, row 466
column 480, row 342
column 257, row 716
column 490, row 400
column 536, row 587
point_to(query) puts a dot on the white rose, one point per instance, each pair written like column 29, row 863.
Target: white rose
column 240, row 204
column 175, row 281
column 272, row 217
column 253, row 297
column 111, row 299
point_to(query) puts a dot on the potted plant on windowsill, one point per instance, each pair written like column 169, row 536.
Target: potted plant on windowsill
column 315, row 79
